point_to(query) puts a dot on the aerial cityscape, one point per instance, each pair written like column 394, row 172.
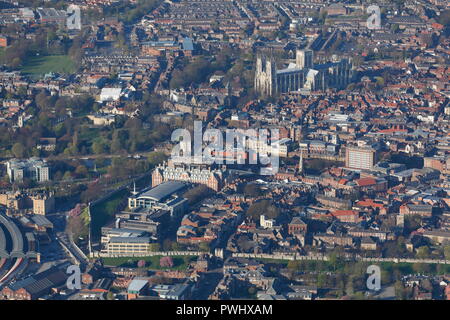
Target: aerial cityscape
column 225, row 150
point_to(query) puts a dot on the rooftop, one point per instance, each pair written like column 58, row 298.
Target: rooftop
column 162, row 191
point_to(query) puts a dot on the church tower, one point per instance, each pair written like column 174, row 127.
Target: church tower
column 265, row 75
column 304, row 59
column 300, row 163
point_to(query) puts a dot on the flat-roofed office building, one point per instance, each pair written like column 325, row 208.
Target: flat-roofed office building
column 359, row 158
column 127, row 246
column 33, row 168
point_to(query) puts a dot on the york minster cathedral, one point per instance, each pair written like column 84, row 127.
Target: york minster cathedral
column 301, row 75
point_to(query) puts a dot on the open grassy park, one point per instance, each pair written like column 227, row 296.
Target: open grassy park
column 104, row 211
column 403, row 268
column 151, row 262
column 40, row 65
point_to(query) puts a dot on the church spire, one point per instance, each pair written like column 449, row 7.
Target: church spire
column 134, row 188
column 300, row 163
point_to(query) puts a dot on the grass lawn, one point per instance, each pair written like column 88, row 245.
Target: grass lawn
column 151, row 262
column 403, row 268
column 103, row 212
column 89, row 134
column 408, row 268
column 40, row 65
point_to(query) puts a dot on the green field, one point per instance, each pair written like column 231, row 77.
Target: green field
column 89, row 134
column 103, row 212
column 41, row 65
column 403, row 268
column 151, row 262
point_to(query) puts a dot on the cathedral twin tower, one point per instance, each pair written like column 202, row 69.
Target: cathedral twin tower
column 302, row 75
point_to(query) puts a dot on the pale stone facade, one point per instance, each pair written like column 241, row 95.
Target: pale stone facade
column 212, row 178
column 303, row 74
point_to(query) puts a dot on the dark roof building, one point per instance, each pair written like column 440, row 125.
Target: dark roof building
column 35, row 286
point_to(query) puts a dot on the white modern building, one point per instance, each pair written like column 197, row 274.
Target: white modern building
column 33, row 168
column 110, row 94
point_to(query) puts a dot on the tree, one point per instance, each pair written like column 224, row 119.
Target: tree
column 91, row 193
column 340, row 284
column 141, row 264
column 349, row 289
column 156, row 158
column 155, row 280
column 16, row 53
column 67, row 176
column 194, row 72
column 444, row 17
column 16, row 62
column 252, row 190
column 321, row 280
column 263, row 207
column 166, row 262
column 75, row 144
column 116, row 144
column 244, row 243
column 421, row 267
column 380, row 81
column 99, row 147
column 176, row 246
column 204, row 246
column 335, row 259
column 167, row 245
column 81, row 171
column 447, row 252
column 43, row 101
column 400, row 291
column 293, row 265
column 423, row 252
column 77, row 226
column 35, row 152
column 395, row 28
column 18, row 150
column 197, row 193
column 154, row 247
column 401, row 245
column 412, row 223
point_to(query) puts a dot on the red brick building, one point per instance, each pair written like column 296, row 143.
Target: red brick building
column 346, row 215
column 3, row 41
column 297, row 225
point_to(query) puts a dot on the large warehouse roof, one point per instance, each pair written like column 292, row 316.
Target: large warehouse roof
column 163, row 191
